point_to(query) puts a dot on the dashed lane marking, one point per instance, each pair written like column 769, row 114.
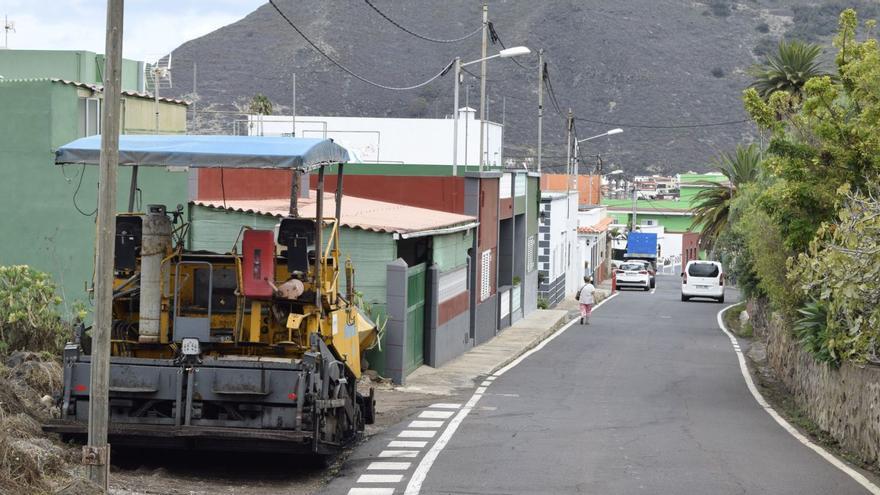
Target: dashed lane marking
column 425, row 424
column 834, row 461
column 444, row 405
column 371, row 491
column 380, row 478
column 436, row 414
column 480, row 390
column 486, row 383
column 389, row 466
column 417, row 434
column 399, row 453
column 412, row 444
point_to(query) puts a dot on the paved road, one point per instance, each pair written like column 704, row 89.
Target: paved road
column 648, row 399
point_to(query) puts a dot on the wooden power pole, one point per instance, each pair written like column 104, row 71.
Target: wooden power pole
column 97, row 453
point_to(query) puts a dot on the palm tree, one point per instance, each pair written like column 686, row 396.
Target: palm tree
column 793, row 64
column 260, row 105
column 712, row 204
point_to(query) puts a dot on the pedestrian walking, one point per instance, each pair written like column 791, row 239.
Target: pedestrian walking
column 585, row 298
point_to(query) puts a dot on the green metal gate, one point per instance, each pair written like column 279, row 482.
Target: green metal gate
column 415, row 317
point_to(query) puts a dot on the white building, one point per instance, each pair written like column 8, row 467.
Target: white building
column 593, row 242
column 559, row 258
column 391, row 140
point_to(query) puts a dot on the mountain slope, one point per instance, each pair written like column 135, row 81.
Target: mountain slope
column 649, row 63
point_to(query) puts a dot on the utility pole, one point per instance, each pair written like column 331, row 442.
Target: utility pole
column 457, row 73
column 97, row 453
column 635, row 202
column 568, row 157
column 483, row 81
column 503, row 127
column 467, row 103
column 540, row 105
column 195, row 93
column 293, row 109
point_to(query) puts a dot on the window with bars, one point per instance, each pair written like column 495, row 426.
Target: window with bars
column 486, row 273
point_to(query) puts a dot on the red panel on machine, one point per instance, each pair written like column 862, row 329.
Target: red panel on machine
column 258, row 247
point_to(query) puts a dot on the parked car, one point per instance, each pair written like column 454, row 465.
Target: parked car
column 703, row 279
column 633, row 274
column 652, row 271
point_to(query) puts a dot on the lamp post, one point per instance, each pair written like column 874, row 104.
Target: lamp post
column 576, row 147
column 506, row 53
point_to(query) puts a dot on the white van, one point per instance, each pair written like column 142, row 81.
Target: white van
column 703, row 279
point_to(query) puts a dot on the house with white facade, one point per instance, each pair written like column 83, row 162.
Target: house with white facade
column 559, row 258
column 594, row 242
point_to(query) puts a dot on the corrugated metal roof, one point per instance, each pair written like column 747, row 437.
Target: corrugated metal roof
column 597, row 228
column 359, row 213
column 100, row 88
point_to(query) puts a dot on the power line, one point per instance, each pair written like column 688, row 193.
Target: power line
column 679, row 126
column 349, row 71
column 493, row 35
column 417, row 35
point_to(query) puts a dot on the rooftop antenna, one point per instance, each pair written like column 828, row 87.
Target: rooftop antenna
column 157, row 76
column 7, row 26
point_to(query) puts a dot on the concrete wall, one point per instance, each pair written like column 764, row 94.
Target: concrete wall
column 486, row 322
column 552, row 291
column 844, row 402
column 425, row 141
column 589, row 187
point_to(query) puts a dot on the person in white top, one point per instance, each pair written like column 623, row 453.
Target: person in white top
column 585, row 298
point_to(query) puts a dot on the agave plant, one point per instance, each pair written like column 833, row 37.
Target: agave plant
column 793, row 64
column 712, row 204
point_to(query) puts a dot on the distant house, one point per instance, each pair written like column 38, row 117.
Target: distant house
column 50, row 209
column 559, row 259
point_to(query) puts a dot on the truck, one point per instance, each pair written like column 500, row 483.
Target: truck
column 642, row 246
column 255, row 349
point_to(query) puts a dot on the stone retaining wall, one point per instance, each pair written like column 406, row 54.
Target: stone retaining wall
column 845, row 401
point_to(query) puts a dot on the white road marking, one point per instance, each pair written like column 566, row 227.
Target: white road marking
column 505, row 395
column 834, row 461
column 548, row 340
column 380, row 478
column 444, row 405
column 480, row 390
column 371, row 491
column 490, row 378
column 486, row 383
column 412, row 444
column 436, row 414
column 421, row 472
column 417, row 434
column 425, row 424
column 389, row 466
column 399, row 453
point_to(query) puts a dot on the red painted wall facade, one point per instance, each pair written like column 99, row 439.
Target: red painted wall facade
column 690, row 247
column 215, row 184
column 435, row 193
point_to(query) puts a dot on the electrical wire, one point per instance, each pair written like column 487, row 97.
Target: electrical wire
column 351, row 72
column 679, row 126
column 493, row 35
column 417, row 35
column 75, row 192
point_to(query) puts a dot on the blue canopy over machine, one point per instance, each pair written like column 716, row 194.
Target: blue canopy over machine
column 302, row 154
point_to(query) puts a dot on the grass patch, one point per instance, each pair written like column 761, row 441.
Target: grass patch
column 733, row 323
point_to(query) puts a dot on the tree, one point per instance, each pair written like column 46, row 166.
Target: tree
column 712, row 206
column 793, row 64
column 261, row 105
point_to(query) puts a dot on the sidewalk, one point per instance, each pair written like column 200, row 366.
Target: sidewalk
column 493, row 355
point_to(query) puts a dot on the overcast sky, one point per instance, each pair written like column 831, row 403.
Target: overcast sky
column 152, row 27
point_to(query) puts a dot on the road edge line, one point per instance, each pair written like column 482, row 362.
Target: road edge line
column 414, row 486
column 834, row 461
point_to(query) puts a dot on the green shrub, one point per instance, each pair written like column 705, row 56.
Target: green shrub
column 29, row 319
column 811, row 329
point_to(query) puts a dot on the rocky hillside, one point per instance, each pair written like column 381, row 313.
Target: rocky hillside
column 658, row 68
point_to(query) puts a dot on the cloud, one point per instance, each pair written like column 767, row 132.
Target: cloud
column 152, row 28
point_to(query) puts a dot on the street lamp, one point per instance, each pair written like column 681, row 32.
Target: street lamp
column 611, row 132
column 514, row 51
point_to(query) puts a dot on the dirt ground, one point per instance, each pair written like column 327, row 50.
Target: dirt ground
column 205, row 473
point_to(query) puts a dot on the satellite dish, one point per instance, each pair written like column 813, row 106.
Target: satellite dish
column 157, row 75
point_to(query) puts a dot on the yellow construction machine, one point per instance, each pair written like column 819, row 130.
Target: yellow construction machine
column 255, row 349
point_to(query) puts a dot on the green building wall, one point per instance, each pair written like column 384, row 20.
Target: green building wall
column 42, row 227
column 80, row 66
